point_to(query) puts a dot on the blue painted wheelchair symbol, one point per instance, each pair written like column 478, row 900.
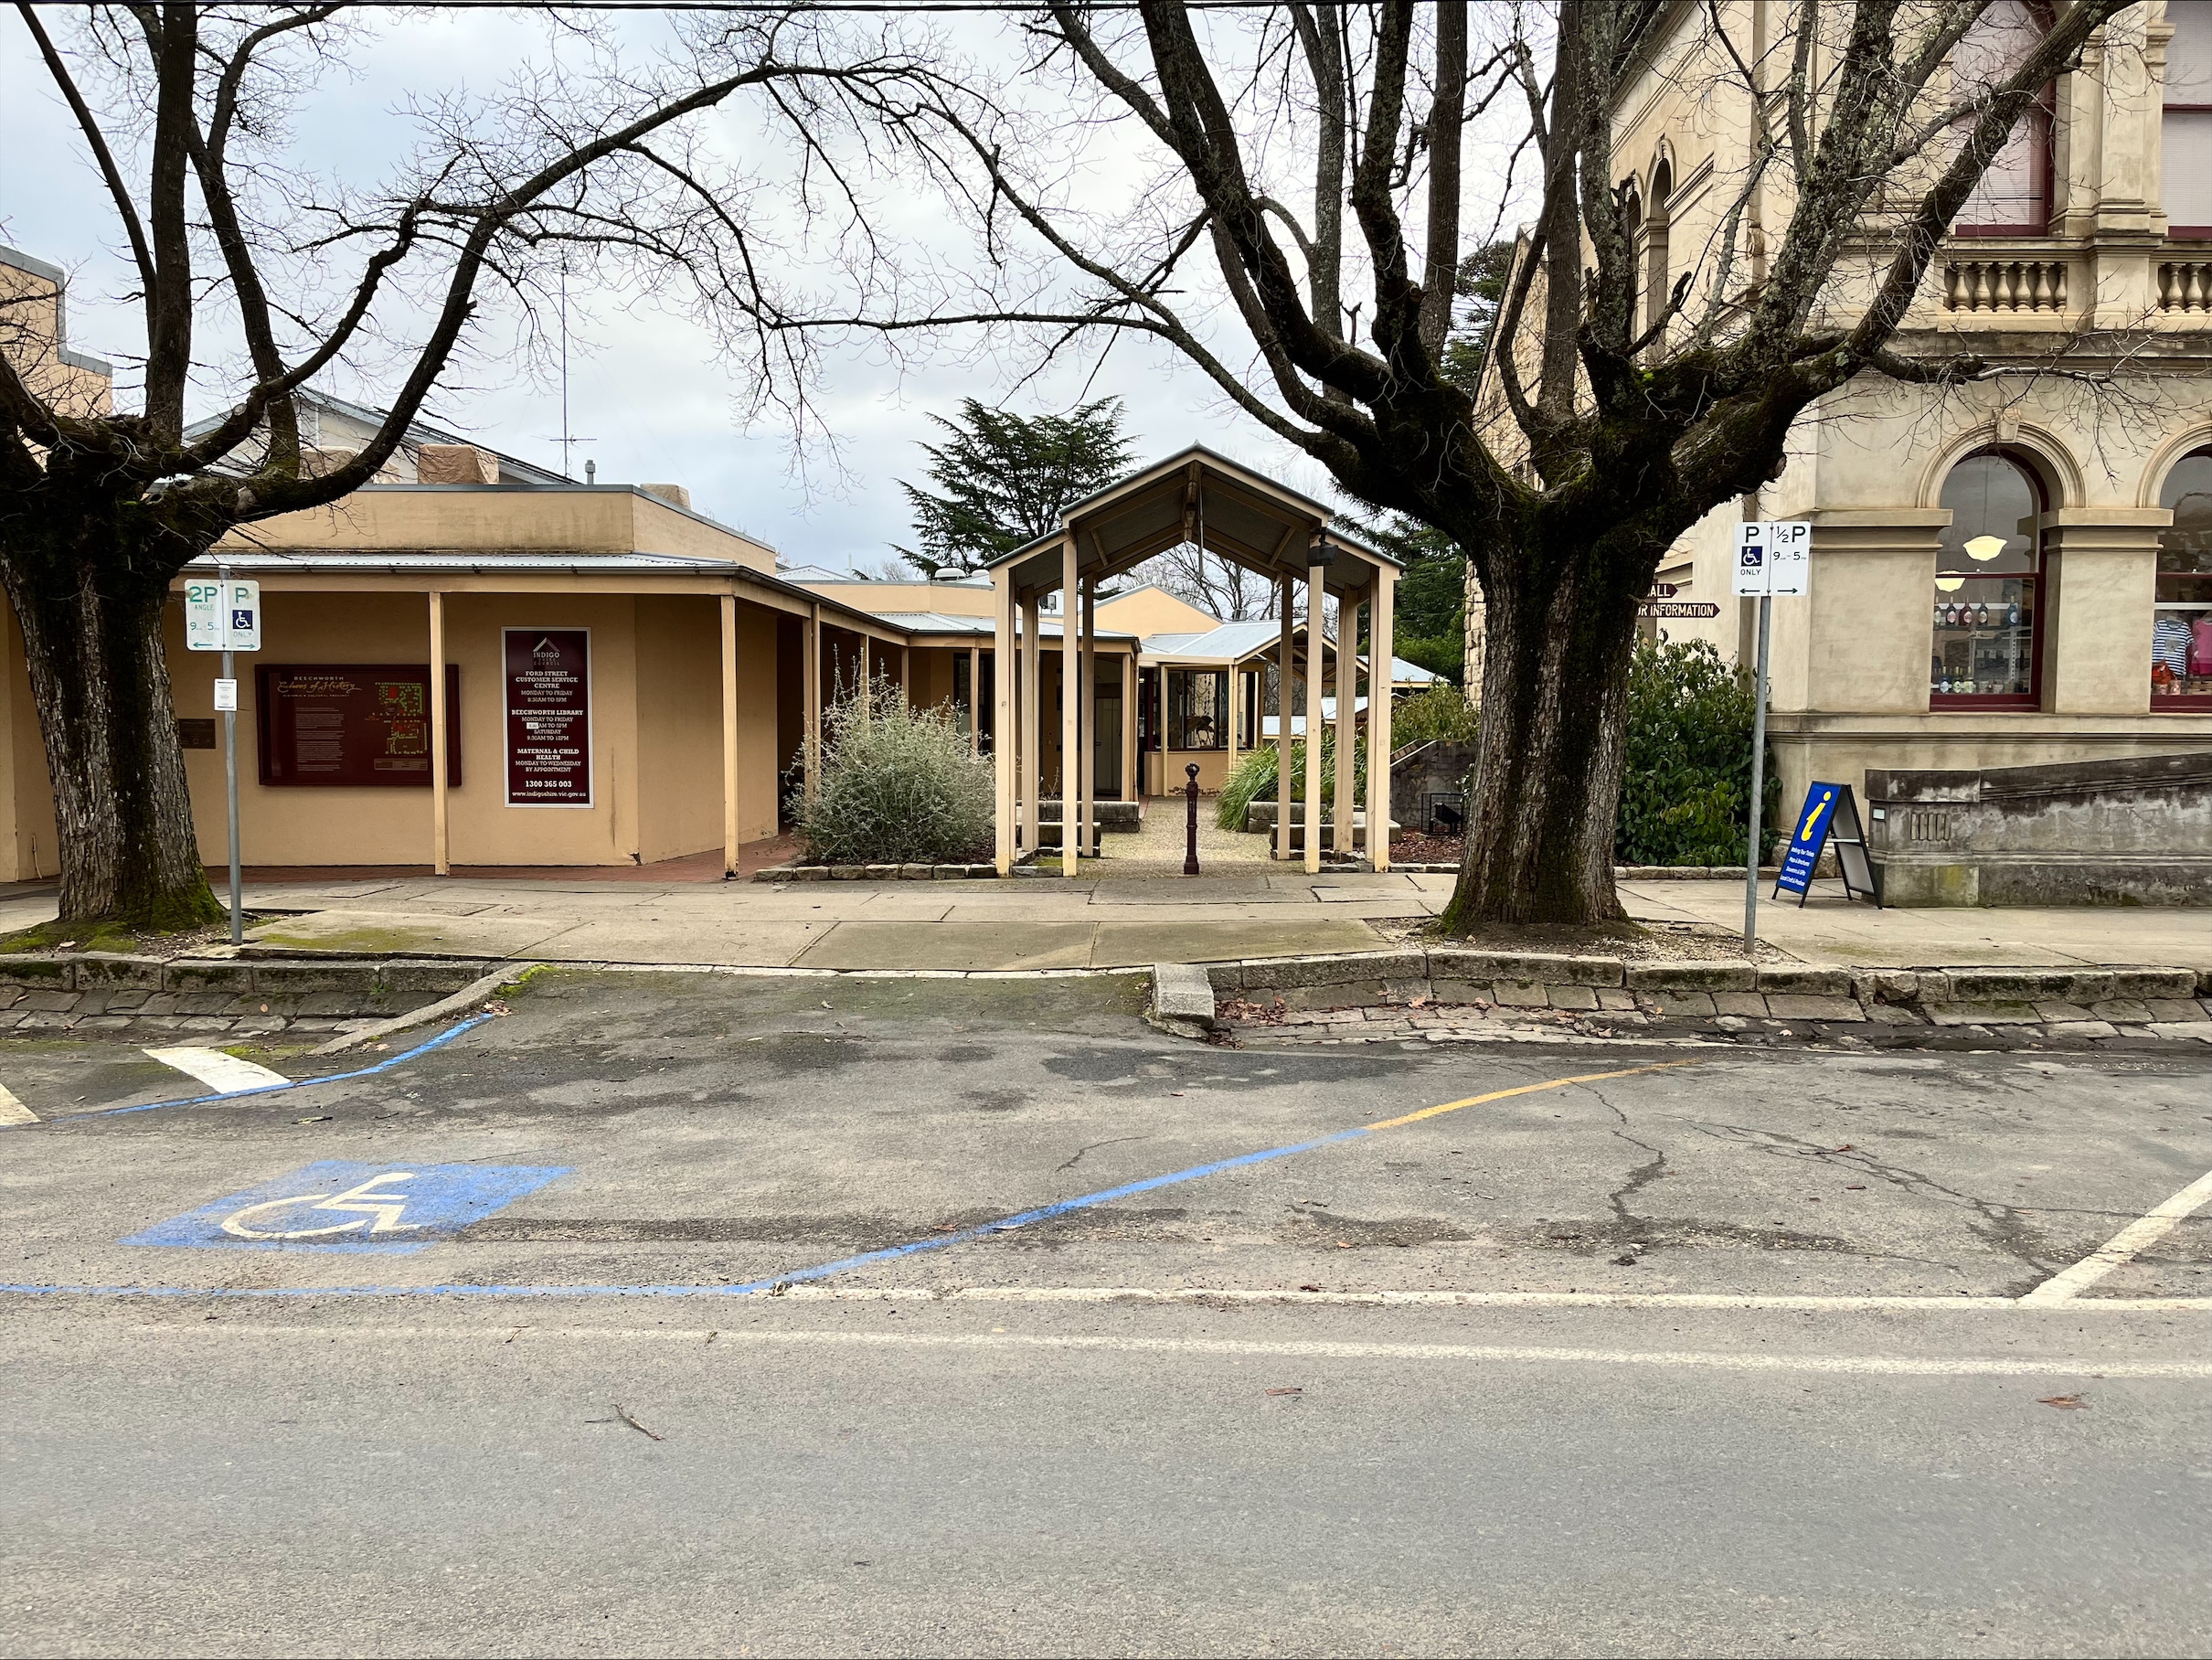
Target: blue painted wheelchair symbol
column 336, row 1205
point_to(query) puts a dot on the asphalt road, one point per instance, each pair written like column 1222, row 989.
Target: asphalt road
column 1723, row 1357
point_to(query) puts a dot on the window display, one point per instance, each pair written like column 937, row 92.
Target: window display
column 1197, row 710
column 1989, row 564
column 2181, row 610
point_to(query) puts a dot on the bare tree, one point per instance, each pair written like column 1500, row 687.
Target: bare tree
column 1213, row 584
column 182, row 112
column 1619, row 418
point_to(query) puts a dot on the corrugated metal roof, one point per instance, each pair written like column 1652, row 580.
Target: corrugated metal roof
column 312, row 559
column 941, row 622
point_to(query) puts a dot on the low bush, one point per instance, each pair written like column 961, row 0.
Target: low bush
column 1686, row 791
column 1440, row 714
column 897, row 785
column 1253, row 778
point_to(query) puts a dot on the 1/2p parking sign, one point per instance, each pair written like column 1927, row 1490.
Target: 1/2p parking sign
column 1773, row 557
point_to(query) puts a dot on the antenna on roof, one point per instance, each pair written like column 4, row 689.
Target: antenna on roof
column 567, row 441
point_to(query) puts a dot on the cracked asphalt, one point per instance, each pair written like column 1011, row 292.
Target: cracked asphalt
column 976, row 1448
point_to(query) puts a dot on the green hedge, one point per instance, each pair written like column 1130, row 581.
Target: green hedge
column 1686, row 795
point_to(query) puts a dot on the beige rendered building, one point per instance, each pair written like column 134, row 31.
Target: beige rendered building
column 2010, row 572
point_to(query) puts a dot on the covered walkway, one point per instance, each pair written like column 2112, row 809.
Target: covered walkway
column 1239, row 515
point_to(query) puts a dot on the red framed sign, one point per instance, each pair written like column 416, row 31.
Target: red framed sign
column 548, row 674
column 352, row 723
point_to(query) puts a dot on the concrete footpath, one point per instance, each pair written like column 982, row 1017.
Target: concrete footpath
column 1049, row 922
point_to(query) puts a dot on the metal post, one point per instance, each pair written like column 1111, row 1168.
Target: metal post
column 1190, row 821
column 238, row 916
column 1759, row 786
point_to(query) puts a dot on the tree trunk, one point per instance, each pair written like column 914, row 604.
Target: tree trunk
column 1547, row 785
column 99, row 673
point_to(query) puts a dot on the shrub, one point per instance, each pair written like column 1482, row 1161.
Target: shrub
column 1686, row 795
column 897, row 785
column 1253, row 778
column 1440, row 714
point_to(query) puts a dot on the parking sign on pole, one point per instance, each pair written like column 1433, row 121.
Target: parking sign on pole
column 225, row 615
column 1772, row 556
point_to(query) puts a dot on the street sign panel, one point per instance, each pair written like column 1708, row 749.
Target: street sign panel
column 1678, row 607
column 223, row 614
column 1773, row 557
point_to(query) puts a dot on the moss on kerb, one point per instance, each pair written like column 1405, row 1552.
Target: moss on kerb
column 350, row 941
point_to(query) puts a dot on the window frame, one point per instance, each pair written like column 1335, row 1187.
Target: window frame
column 1218, row 709
column 2176, row 703
column 2167, row 106
column 2041, row 114
column 2031, row 700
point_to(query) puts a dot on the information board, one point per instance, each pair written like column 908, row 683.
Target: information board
column 353, row 723
column 549, row 699
column 1830, row 813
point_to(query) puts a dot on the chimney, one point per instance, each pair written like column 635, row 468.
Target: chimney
column 454, row 464
column 676, row 496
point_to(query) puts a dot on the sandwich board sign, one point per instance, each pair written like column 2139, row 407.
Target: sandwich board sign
column 1772, row 556
column 1830, row 814
column 222, row 615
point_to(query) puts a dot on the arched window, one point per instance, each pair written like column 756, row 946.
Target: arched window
column 2181, row 624
column 2186, row 132
column 2014, row 197
column 1655, row 222
column 1989, row 566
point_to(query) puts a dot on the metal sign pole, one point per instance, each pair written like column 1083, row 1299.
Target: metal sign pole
column 1759, row 786
column 238, row 918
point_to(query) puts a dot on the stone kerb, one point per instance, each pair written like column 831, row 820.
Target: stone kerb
column 2074, row 1001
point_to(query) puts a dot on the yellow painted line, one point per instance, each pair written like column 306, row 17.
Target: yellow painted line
column 1527, row 1088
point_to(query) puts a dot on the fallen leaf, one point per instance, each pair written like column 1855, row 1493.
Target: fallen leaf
column 1344, row 1244
column 1174, row 1091
column 2064, row 1403
column 1626, row 1261
column 322, row 1117
column 1309, row 1288
column 1293, row 1390
column 1856, row 1188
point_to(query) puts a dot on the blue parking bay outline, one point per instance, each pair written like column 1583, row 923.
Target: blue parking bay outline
column 336, row 1205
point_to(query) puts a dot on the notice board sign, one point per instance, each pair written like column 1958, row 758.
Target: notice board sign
column 548, row 682
column 1830, row 813
column 353, row 723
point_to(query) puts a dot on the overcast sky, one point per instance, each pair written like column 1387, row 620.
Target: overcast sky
column 643, row 385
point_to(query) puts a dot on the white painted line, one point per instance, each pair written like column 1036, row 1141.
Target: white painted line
column 727, row 1338
column 2123, row 1246
column 225, row 1074
column 1202, row 1296
column 13, row 1112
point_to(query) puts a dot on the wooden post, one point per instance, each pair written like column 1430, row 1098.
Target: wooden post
column 1071, row 710
column 867, row 682
column 814, row 700
column 1347, row 723
column 1002, row 748
column 1132, row 763
column 1033, row 703
column 905, row 682
column 1282, row 730
column 1087, row 727
column 975, row 698
column 729, row 735
column 1316, row 601
column 1380, row 666
column 440, row 845
column 1236, row 707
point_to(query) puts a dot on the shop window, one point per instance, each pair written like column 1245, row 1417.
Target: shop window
column 2014, row 197
column 2181, row 614
column 1989, row 568
column 2185, row 129
column 1197, row 710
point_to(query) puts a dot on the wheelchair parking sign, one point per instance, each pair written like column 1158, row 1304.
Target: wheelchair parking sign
column 336, row 1205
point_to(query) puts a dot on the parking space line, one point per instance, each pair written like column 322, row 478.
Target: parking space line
column 725, row 1340
column 386, row 1065
column 13, row 1112
column 225, row 1074
column 2123, row 1246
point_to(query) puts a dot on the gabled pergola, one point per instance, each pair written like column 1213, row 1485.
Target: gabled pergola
column 1239, row 515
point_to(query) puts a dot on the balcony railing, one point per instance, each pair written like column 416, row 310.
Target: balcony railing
column 2005, row 286
column 2184, row 286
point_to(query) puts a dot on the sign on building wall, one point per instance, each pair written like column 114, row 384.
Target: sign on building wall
column 548, row 680
column 353, row 723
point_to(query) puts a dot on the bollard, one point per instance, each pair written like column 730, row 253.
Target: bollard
column 1190, row 821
